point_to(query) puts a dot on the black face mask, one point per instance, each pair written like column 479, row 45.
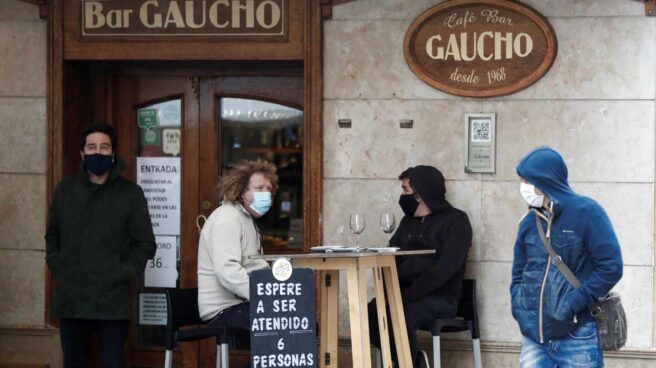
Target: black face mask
column 98, row 164
column 408, row 204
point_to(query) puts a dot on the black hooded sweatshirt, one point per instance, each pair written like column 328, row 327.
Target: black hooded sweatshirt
column 446, row 229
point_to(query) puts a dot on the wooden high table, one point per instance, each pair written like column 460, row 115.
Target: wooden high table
column 356, row 264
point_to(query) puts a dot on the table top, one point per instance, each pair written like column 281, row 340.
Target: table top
column 365, row 253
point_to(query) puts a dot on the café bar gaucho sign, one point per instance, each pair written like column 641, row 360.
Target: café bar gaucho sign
column 480, row 48
column 152, row 19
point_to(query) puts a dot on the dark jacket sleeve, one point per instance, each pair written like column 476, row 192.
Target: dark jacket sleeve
column 604, row 249
column 52, row 232
column 142, row 240
column 456, row 245
column 519, row 262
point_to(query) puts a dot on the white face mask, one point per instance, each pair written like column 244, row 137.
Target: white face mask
column 528, row 193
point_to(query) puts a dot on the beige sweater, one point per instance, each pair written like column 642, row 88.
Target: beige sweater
column 228, row 237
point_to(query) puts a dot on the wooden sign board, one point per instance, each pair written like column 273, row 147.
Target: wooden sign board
column 283, row 319
column 480, row 48
column 166, row 19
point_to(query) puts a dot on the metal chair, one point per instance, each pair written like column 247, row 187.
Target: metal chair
column 182, row 310
column 466, row 320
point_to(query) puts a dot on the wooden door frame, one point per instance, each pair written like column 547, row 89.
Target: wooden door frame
column 60, row 133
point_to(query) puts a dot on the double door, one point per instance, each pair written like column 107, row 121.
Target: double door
column 178, row 135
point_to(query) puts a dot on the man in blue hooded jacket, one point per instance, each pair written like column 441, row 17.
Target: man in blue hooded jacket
column 553, row 316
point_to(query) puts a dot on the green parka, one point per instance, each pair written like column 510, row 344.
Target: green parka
column 99, row 237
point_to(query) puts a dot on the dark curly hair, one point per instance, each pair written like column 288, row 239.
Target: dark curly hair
column 234, row 182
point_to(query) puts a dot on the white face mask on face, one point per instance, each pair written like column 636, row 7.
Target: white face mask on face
column 528, row 193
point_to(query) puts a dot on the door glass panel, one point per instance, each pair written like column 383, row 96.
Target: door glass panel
column 158, row 173
column 252, row 129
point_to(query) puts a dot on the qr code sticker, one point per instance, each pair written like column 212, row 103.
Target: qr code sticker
column 480, row 131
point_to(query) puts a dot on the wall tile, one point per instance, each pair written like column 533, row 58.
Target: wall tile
column 496, row 321
column 393, row 9
column 600, row 140
column 632, row 220
column 27, row 275
column 23, row 141
column 15, row 10
column 595, row 61
column 23, row 50
column 22, row 212
column 502, row 208
column 376, row 147
column 637, row 291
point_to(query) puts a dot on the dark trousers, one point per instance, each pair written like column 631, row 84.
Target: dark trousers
column 76, row 337
column 418, row 315
column 238, row 319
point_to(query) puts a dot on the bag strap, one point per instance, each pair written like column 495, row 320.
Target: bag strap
column 556, row 260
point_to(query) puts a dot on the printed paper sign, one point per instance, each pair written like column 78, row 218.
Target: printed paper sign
column 152, row 309
column 171, row 144
column 159, row 177
column 161, row 270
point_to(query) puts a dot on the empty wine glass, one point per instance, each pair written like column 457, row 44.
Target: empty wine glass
column 387, row 224
column 357, row 226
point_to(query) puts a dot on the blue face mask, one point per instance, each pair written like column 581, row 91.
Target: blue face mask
column 261, row 202
column 98, row 164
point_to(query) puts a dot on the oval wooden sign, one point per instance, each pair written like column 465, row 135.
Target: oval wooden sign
column 480, row 48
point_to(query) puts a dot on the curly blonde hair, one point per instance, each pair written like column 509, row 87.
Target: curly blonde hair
column 234, row 182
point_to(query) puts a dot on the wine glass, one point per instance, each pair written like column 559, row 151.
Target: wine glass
column 357, row 226
column 387, row 224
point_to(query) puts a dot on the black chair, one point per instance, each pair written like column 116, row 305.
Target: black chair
column 182, row 310
column 466, row 320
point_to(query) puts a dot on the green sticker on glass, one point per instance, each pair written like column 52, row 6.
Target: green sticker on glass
column 147, row 118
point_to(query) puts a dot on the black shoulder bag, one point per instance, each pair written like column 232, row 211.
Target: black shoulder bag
column 608, row 311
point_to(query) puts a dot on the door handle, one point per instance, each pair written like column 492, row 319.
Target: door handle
column 200, row 221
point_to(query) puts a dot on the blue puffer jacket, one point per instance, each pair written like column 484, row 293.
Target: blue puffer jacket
column 544, row 304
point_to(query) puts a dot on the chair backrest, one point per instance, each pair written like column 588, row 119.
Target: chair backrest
column 467, row 308
column 182, row 310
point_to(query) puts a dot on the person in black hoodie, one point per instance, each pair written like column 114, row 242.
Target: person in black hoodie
column 430, row 284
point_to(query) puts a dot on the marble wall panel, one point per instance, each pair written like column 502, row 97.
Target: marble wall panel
column 15, row 10
column 376, row 147
column 632, row 220
column 494, row 314
column 370, row 197
column 26, row 275
column 23, row 138
column 22, row 211
column 603, row 141
column 23, row 50
column 502, row 208
column 637, row 291
column 395, row 9
column 594, row 61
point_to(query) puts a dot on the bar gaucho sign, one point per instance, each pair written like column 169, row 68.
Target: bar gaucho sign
column 480, row 48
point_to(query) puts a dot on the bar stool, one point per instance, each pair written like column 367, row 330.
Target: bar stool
column 466, row 320
column 182, row 310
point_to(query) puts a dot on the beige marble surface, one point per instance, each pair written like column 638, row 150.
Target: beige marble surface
column 394, row 9
column 23, row 138
column 27, row 275
column 594, row 61
column 502, row 208
column 23, row 66
column 15, row 10
column 22, row 212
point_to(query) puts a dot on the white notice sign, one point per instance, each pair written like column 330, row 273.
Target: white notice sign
column 152, row 309
column 161, row 270
column 159, row 177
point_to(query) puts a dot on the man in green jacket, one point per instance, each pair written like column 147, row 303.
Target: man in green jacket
column 99, row 237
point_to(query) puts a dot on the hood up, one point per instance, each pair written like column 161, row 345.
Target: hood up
column 428, row 182
column 546, row 169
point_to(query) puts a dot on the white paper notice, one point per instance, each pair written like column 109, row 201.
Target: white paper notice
column 159, row 177
column 161, row 270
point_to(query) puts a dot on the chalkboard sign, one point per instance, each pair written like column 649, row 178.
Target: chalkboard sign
column 283, row 323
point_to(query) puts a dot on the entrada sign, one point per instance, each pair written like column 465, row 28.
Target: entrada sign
column 480, row 48
column 223, row 19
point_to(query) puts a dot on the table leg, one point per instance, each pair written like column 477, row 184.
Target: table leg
column 329, row 299
column 398, row 318
column 357, row 298
column 383, row 327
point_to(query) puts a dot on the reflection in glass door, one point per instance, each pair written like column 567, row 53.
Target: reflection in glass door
column 252, row 129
